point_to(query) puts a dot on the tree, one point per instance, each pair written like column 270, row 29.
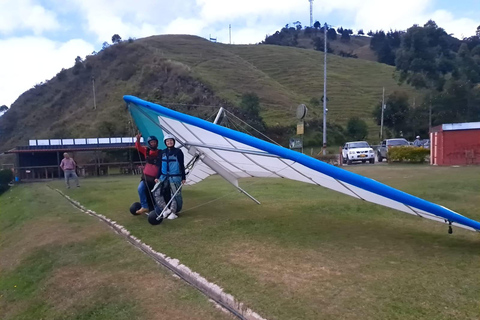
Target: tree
column 370, row 33
column 316, row 25
column 477, row 33
column 116, row 38
column 3, row 108
column 357, row 129
column 331, row 34
column 250, row 107
column 395, row 115
column 360, row 32
column 345, row 35
column 425, row 56
column 340, row 30
column 105, row 45
column 319, row 45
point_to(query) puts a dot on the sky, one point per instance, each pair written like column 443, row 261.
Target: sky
column 40, row 37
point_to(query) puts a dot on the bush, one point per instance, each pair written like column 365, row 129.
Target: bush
column 328, row 158
column 407, row 154
column 6, row 176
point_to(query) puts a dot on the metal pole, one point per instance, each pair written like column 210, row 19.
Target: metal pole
column 219, row 114
column 325, row 92
column 94, row 101
column 381, row 121
column 430, row 117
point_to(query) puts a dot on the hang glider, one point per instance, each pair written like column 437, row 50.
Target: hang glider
column 234, row 155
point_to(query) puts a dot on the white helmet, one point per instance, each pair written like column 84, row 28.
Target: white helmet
column 418, row 137
column 168, row 136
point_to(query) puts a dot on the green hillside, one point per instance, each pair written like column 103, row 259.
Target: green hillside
column 188, row 70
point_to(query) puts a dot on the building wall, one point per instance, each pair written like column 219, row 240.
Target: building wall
column 460, row 147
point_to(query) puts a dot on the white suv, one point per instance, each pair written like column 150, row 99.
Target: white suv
column 357, row 151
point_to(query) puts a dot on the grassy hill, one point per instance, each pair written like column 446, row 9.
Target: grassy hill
column 188, row 70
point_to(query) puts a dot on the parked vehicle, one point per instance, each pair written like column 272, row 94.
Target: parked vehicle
column 357, row 151
column 382, row 151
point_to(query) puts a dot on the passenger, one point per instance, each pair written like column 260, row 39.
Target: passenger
column 150, row 172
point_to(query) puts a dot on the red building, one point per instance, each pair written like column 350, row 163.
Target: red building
column 455, row 144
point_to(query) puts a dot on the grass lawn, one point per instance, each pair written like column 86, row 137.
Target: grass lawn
column 305, row 253
column 59, row 263
column 310, row 253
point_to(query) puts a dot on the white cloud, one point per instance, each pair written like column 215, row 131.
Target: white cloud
column 26, row 15
column 185, row 26
column 31, row 60
column 460, row 27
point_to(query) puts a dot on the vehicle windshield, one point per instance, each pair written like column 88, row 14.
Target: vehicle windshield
column 398, row 142
column 358, row 145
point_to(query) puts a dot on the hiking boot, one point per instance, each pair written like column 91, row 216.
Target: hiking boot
column 142, row 211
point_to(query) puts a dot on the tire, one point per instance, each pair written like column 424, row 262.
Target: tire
column 372, row 161
column 379, row 157
column 152, row 217
column 349, row 162
column 344, row 160
column 134, row 207
column 363, row 161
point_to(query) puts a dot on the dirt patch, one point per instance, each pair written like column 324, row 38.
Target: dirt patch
column 272, row 264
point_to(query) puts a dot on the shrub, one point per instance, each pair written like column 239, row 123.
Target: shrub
column 6, row 176
column 407, row 154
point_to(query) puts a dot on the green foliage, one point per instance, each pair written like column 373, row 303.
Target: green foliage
column 319, row 44
column 331, row 34
column 407, row 154
column 425, row 56
column 385, row 45
column 357, row 129
column 285, row 37
column 62, row 75
column 396, row 113
column 116, row 38
column 250, row 107
column 345, row 35
column 6, row 176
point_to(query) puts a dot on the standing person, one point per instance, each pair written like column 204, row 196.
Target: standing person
column 150, row 171
column 172, row 173
column 417, row 142
column 68, row 166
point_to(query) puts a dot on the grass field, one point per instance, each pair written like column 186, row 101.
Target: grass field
column 305, row 253
column 59, row 263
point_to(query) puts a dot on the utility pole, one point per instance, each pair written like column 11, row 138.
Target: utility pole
column 230, row 33
column 430, row 117
column 94, row 100
column 325, row 91
column 383, row 108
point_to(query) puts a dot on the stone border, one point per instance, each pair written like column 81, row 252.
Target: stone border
column 211, row 290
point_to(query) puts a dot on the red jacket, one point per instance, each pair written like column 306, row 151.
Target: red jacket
column 151, row 168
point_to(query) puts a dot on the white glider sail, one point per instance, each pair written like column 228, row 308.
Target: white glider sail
column 235, row 155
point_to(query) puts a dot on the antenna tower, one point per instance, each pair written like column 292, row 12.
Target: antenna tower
column 311, row 13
